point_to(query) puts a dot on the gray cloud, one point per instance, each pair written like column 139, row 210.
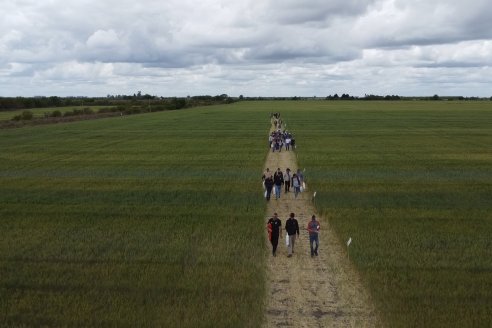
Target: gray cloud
column 420, row 22
column 305, row 12
column 264, row 47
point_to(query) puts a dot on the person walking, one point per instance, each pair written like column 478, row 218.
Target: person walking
column 287, row 180
column 268, row 186
column 300, row 176
column 278, row 179
column 266, row 174
column 313, row 229
column 292, row 228
column 274, row 226
column 296, row 184
column 287, row 143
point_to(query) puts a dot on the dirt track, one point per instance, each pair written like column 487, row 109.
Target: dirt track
column 324, row 291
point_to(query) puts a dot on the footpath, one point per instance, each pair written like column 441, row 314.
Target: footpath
column 323, row 291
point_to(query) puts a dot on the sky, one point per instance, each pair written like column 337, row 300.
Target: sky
column 246, row 47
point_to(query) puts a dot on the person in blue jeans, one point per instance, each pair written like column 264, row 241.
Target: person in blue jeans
column 313, row 229
column 296, row 184
column 278, row 180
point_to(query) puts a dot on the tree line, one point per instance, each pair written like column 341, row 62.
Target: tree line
column 122, row 101
column 144, row 101
column 83, row 109
column 346, row 96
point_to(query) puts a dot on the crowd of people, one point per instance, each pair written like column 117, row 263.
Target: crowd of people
column 279, row 139
column 279, row 181
column 275, row 181
column 276, row 120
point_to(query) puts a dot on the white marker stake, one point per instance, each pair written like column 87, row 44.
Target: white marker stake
column 348, row 244
column 314, row 197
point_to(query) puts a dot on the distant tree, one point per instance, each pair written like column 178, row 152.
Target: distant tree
column 435, row 97
column 178, row 103
column 27, row 115
column 55, row 101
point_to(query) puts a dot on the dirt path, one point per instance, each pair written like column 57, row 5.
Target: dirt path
column 324, row 291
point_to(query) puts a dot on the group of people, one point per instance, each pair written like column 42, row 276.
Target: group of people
column 279, row 179
column 276, row 120
column 279, row 139
column 274, row 228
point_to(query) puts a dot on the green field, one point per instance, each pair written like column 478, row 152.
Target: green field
column 411, row 183
column 149, row 220
column 156, row 219
column 40, row 112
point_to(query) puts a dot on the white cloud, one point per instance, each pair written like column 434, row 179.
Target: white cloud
column 277, row 47
column 103, row 39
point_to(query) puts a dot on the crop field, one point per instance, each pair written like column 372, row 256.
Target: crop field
column 148, row 220
column 156, row 219
column 39, row 112
column 411, row 183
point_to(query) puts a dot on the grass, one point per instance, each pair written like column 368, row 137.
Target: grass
column 411, row 183
column 40, row 112
column 149, row 220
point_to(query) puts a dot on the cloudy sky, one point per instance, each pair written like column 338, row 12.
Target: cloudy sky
column 248, row 47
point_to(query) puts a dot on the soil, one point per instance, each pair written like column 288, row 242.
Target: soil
column 305, row 291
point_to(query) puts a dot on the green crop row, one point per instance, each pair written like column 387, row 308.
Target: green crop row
column 148, row 220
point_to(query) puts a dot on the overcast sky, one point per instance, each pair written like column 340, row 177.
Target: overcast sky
column 248, row 47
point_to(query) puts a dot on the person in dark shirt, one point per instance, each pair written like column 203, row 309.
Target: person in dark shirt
column 268, row 187
column 278, row 179
column 292, row 228
column 274, row 226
